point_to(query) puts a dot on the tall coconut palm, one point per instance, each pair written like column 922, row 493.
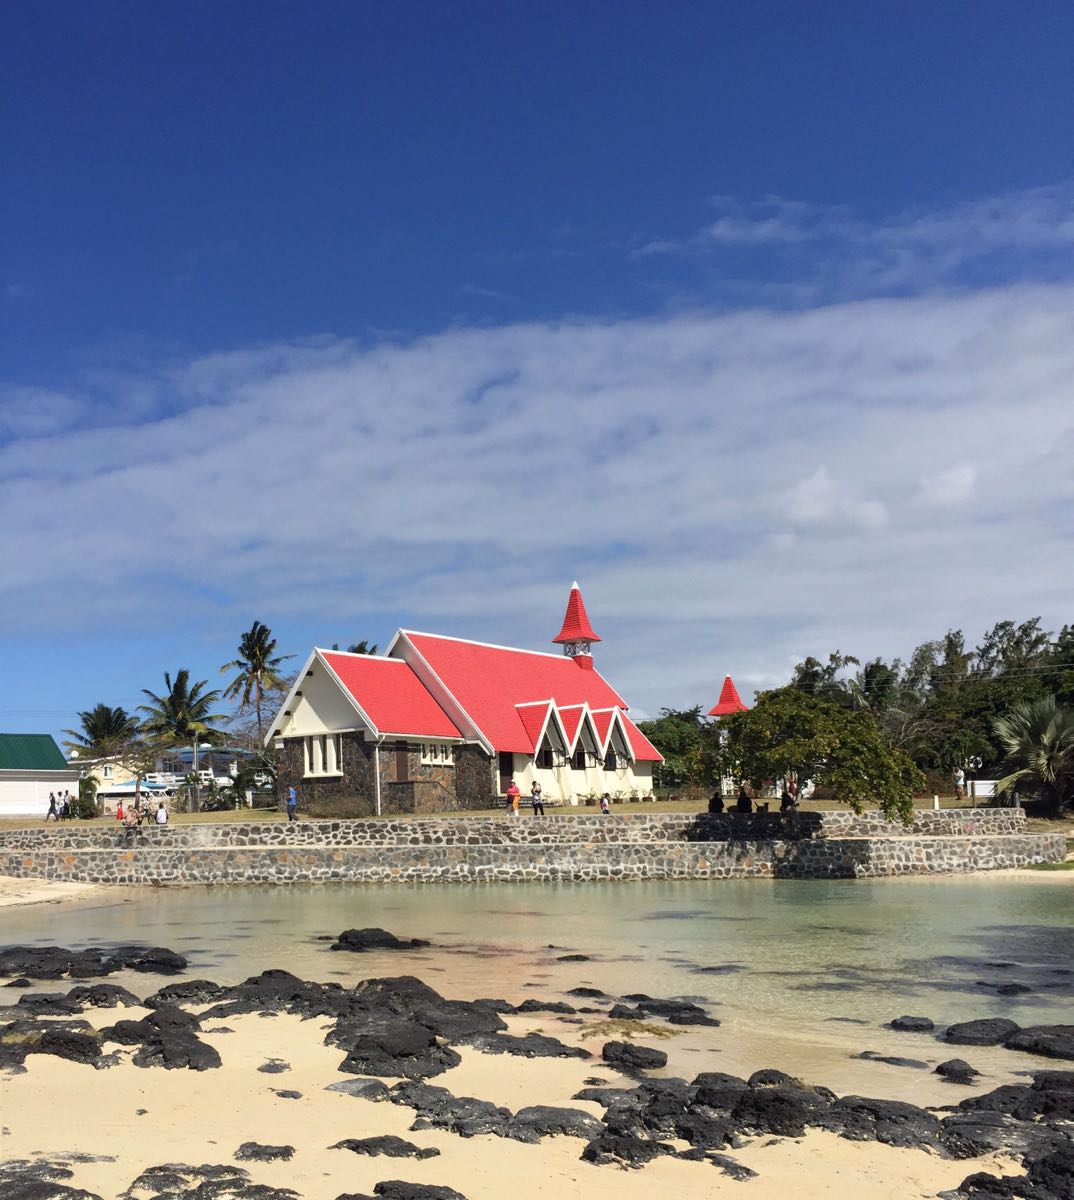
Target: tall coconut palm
column 1038, row 738
column 183, row 712
column 103, row 728
column 257, row 670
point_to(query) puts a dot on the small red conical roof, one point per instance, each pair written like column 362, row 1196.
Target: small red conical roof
column 576, row 626
column 729, row 702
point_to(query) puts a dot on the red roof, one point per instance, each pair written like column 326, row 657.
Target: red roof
column 576, row 626
column 603, row 720
column 489, row 682
column 640, row 746
column 391, row 695
column 729, row 701
column 533, row 717
column 571, row 716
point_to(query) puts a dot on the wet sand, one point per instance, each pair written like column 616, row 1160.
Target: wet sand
column 16, row 893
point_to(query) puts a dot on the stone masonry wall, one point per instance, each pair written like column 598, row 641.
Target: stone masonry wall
column 567, row 829
column 153, row 862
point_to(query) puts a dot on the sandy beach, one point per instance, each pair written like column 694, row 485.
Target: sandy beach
column 127, row 1119
column 20, row 892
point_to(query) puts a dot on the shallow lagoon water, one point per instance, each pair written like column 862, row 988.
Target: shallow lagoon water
column 800, row 973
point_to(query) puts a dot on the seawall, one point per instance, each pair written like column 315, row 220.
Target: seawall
column 511, row 849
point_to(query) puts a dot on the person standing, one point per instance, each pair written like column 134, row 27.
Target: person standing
column 536, row 799
column 513, row 793
column 52, row 808
column 292, row 804
column 162, row 814
column 605, row 804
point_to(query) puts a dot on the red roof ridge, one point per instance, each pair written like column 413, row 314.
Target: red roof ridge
column 447, row 637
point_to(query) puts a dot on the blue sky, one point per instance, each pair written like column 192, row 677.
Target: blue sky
column 758, row 319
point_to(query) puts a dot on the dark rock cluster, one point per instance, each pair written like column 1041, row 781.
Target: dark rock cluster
column 360, row 940
column 55, row 962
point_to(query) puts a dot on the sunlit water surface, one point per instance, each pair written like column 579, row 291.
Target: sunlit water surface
column 800, row 973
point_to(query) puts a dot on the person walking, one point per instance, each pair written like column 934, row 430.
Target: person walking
column 536, row 799
column 605, row 804
column 52, row 808
column 513, row 793
column 292, row 804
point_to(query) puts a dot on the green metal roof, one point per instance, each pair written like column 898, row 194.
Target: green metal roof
column 30, row 752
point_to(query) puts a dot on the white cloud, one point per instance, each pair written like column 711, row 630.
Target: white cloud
column 846, row 253
column 731, row 490
column 951, row 486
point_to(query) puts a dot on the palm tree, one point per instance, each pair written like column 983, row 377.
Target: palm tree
column 183, row 712
column 362, row 647
column 103, row 728
column 258, row 670
column 1038, row 737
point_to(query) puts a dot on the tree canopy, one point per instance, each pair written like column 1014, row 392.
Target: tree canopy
column 102, row 728
column 183, row 712
column 257, row 671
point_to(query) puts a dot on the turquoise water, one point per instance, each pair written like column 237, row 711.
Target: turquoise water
column 864, row 950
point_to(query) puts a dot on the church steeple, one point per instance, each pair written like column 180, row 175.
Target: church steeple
column 729, row 702
column 577, row 635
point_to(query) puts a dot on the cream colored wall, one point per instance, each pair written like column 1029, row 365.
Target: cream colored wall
column 569, row 786
column 321, row 708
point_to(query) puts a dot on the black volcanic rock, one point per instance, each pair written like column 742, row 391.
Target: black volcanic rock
column 892, row 1060
column 1051, row 1041
column 103, row 995
column 533, row 1045
column 256, row 1152
column 957, row 1070
column 913, row 1024
column 550, row 1006
column 387, row 1146
column 988, row 1031
column 358, row 941
column 56, row 962
column 178, row 1181
column 21, row 1179
column 628, row 1057
column 379, row 1043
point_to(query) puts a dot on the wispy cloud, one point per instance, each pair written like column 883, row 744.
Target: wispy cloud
column 733, row 490
column 1012, row 233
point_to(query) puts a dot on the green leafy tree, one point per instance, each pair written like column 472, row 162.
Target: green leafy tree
column 1038, row 738
column 683, row 739
column 183, row 712
column 822, row 680
column 257, row 671
column 101, row 729
column 818, row 740
column 362, row 647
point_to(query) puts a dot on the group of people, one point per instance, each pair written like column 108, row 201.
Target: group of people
column 138, row 814
column 513, row 800
column 788, row 802
column 59, row 807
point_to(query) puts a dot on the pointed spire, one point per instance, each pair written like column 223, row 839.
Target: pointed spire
column 576, row 626
column 729, row 701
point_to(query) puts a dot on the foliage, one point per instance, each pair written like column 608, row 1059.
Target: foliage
column 688, row 745
column 789, row 732
column 257, row 670
column 182, row 712
column 85, row 803
column 101, row 728
column 361, row 647
column 1038, row 738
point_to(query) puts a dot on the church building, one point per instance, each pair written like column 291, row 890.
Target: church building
column 440, row 723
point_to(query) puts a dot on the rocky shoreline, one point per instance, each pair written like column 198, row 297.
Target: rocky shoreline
column 391, row 1035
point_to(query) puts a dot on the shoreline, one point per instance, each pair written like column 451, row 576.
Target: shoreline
column 20, row 891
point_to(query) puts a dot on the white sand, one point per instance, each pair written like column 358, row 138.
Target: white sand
column 18, row 892
column 60, row 1107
